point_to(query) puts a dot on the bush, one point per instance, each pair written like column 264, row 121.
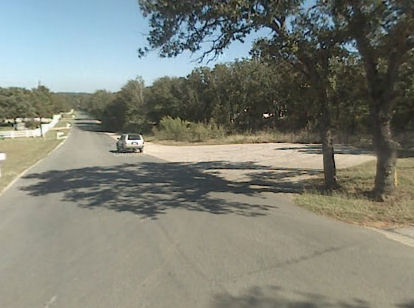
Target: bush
column 202, row 132
column 181, row 130
column 32, row 124
column 172, row 129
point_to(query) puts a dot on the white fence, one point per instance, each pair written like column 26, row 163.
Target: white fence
column 2, row 158
column 31, row 132
column 20, row 133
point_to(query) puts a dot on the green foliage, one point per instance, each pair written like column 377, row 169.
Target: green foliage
column 38, row 102
column 201, row 132
column 181, row 130
column 122, row 111
column 97, row 102
column 403, row 118
column 41, row 101
column 15, row 103
column 32, row 124
column 165, row 97
column 172, row 129
column 186, row 25
column 74, row 100
column 236, row 95
column 233, row 95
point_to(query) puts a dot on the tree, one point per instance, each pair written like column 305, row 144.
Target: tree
column 307, row 41
column 201, row 94
column 132, row 95
column 41, row 103
column 126, row 110
column 350, row 114
column 97, row 103
column 15, row 103
column 403, row 119
column 164, row 98
column 383, row 34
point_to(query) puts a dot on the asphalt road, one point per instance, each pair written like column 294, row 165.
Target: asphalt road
column 88, row 227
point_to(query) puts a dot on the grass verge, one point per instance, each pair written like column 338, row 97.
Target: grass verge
column 351, row 203
column 25, row 152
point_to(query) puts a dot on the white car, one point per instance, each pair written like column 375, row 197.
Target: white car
column 130, row 143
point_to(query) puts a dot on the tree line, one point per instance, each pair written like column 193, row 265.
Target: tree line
column 250, row 95
column 247, row 95
column 39, row 102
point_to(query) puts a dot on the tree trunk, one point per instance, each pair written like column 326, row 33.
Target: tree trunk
column 329, row 167
column 328, row 153
column 386, row 150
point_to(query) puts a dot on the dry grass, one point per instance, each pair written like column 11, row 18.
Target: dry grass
column 21, row 154
column 259, row 137
column 24, row 152
column 352, row 202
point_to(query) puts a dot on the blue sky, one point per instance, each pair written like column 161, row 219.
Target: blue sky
column 82, row 45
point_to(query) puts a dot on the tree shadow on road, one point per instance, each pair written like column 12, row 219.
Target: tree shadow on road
column 317, row 149
column 409, row 304
column 150, row 189
column 276, row 297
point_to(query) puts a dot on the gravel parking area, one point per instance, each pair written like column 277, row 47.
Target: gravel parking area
column 270, row 155
column 282, row 164
column 274, row 162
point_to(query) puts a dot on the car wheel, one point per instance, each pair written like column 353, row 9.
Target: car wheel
column 141, row 150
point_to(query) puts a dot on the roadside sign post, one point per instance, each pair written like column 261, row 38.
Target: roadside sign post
column 2, row 158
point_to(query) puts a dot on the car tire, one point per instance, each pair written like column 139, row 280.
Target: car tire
column 141, row 150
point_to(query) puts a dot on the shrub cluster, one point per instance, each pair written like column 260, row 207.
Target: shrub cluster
column 181, row 130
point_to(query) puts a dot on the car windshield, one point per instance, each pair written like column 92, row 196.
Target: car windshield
column 134, row 137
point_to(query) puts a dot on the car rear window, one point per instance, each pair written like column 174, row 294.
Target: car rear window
column 134, row 137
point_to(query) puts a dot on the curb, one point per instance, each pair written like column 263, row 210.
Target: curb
column 34, row 165
column 395, row 236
